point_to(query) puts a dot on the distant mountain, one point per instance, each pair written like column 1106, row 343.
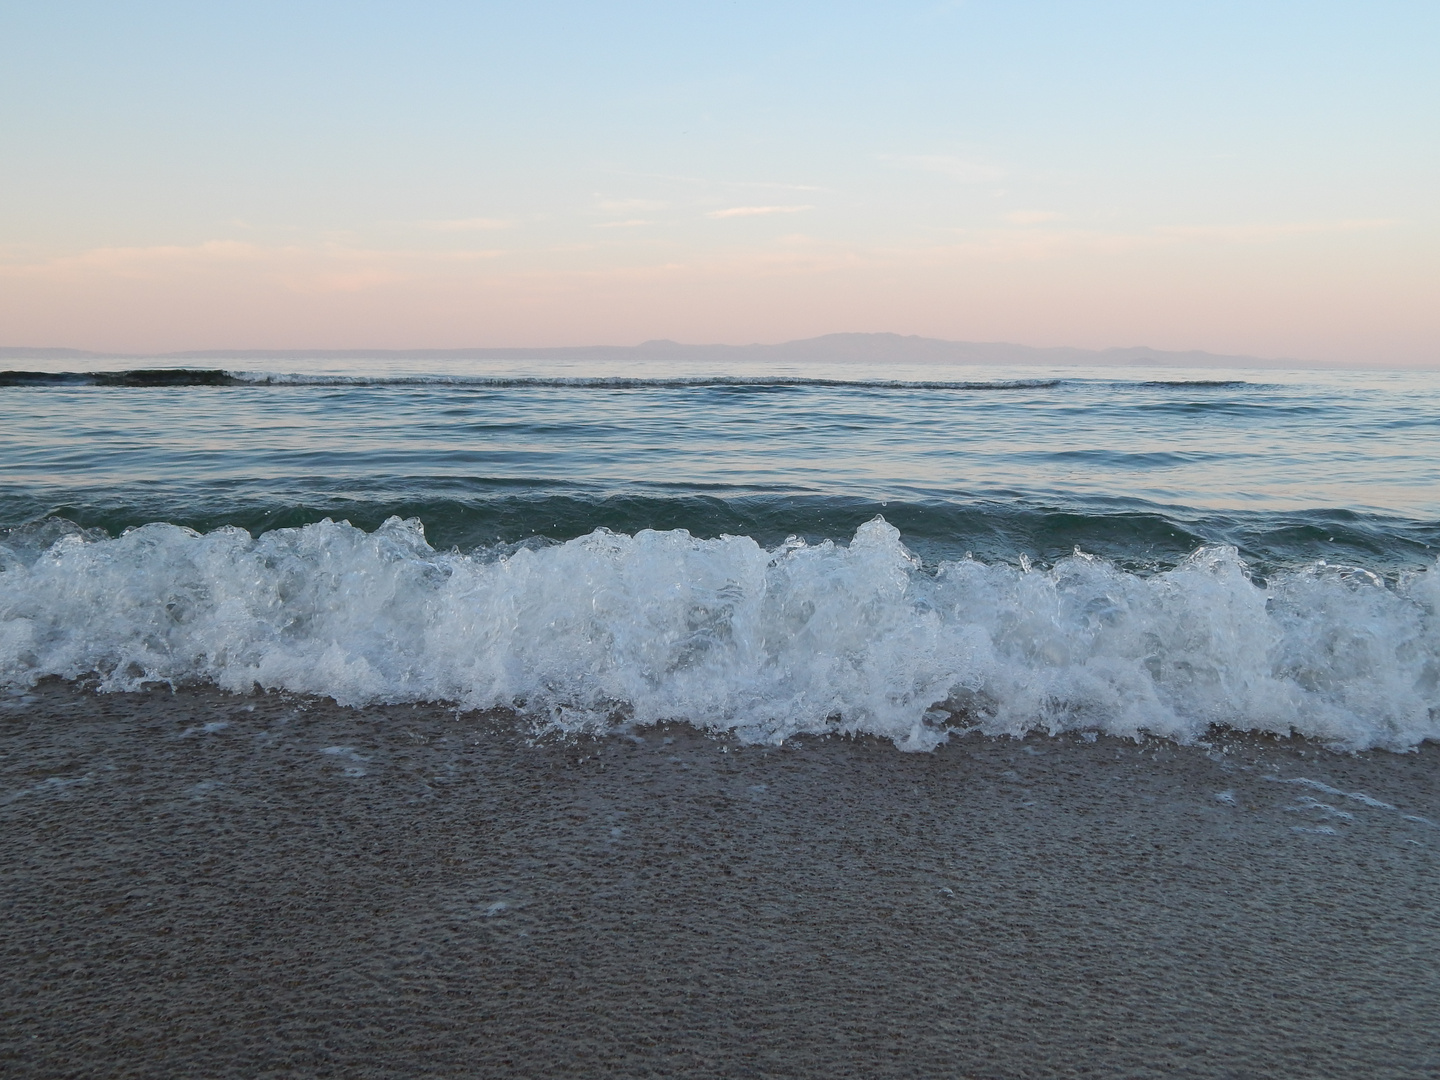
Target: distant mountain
column 909, row 349
column 843, row 348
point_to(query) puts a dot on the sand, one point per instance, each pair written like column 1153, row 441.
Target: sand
column 199, row 884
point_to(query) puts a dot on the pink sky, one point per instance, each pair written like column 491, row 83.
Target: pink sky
column 1342, row 292
column 1232, row 178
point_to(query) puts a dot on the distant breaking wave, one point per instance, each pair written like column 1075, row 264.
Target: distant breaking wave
column 137, row 378
column 622, row 382
column 141, row 378
column 173, row 377
column 767, row 643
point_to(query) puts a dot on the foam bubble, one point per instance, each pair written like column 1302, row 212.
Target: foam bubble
column 729, row 635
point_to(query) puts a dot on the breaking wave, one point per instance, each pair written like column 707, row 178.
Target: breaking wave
column 610, row 628
column 170, row 378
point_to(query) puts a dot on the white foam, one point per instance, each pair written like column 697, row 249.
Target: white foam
column 731, row 636
column 1358, row 796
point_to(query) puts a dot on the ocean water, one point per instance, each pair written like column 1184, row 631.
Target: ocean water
column 905, row 551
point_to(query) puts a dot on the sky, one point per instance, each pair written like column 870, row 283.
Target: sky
column 1243, row 178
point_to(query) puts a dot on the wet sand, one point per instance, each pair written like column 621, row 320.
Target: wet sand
column 198, row 884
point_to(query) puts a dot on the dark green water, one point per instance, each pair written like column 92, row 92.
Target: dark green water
column 1140, row 470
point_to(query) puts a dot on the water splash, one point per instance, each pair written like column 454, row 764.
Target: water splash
column 729, row 635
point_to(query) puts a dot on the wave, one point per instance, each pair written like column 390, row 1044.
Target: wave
column 766, row 643
column 474, row 513
column 176, row 377
column 1194, row 384
column 141, row 378
column 137, row 378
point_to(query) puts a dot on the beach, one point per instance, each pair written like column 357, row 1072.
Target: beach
column 759, row 541
column 199, row 883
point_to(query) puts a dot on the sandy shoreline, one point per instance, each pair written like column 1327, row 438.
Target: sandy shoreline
column 207, row 885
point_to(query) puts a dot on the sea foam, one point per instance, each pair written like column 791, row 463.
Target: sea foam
column 610, row 629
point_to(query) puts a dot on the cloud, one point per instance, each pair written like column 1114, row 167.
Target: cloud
column 475, row 224
column 467, row 256
column 705, row 181
column 1032, row 217
column 135, row 262
column 772, row 184
column 963, row 169
column 323, row 268
column 756, row 211
column 1260, row 232
column 620, row 206
column 632, row 223
column 1041, row 243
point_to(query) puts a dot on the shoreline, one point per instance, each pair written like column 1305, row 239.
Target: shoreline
column 200, row 883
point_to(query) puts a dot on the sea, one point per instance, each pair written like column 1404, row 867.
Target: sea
column 908, row 551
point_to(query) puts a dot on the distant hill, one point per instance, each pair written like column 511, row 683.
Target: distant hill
column 844, row 348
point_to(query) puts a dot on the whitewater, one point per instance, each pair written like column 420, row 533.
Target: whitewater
column 609, row 629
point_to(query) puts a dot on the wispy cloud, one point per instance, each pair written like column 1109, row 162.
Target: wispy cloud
column 1055, row 242
column 966, row 170
column 324, row 268
column 756, row 211
column 469, row 256
column 474, row 224
column 774, row 185
column 136, row 262
column 1257, row 232
column 1032, row 217
column 632, row 223
column 620, row 206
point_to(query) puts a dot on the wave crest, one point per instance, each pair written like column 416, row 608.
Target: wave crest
column 729, row 635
